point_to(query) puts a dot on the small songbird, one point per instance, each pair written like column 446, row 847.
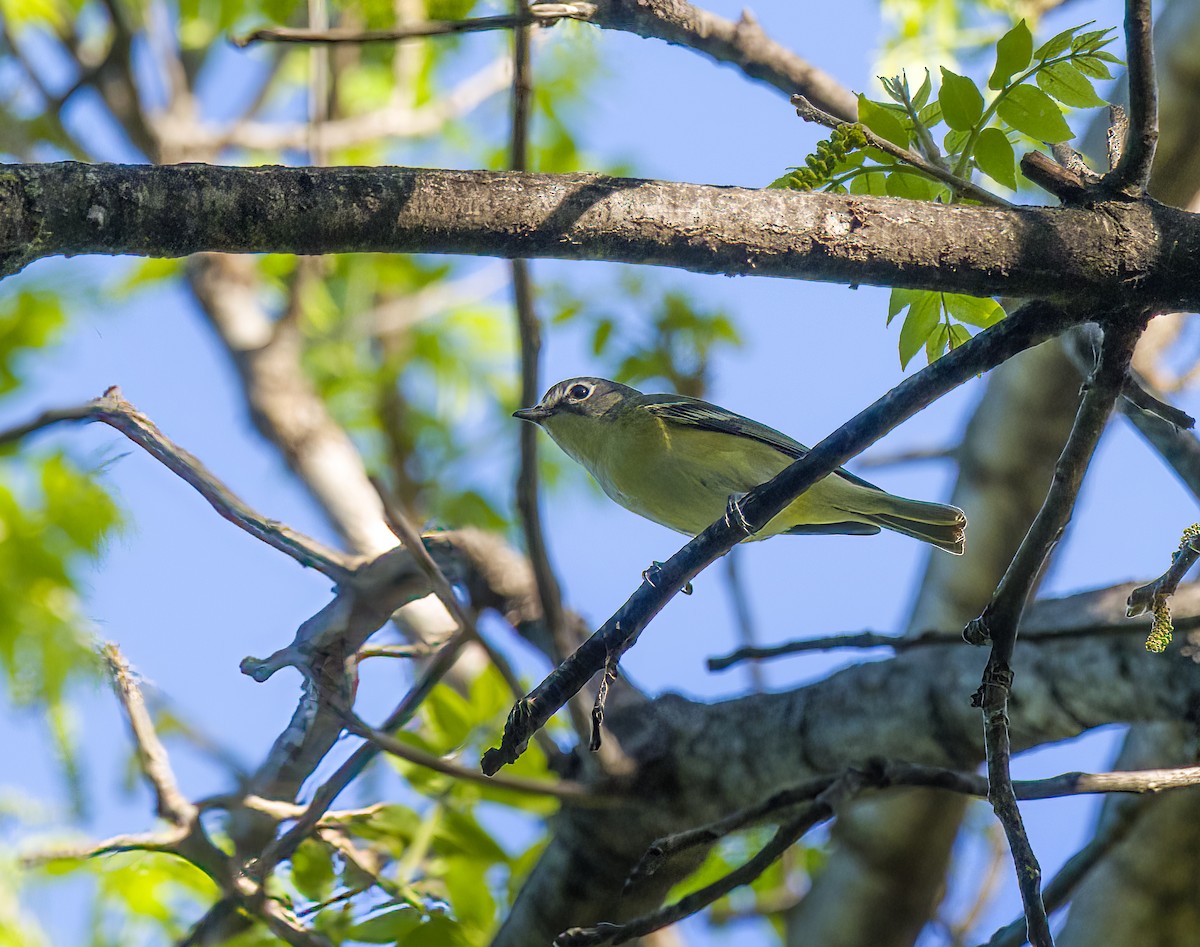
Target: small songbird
column 678, row 461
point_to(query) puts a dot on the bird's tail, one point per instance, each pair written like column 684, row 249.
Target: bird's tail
column 936, row 523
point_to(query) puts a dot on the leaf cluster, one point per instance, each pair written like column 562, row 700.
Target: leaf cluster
column 961, row 130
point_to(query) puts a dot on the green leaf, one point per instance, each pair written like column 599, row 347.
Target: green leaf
column 1014, row 50
column 899, row 300
column 438, row 931
column 936, row 344
column 922, row 96
column 913, row 187
column 882, row 121
column 874, row 183
column 958, row 335
column 995, row 156
column 604, row 329
column 930, row 114
column 386, row 928
column 1092, row 66
column 1067, row 84
column 961, row 100
column 1058, row 43
column 923, row 315
column 1091, row 41
column 1031, row 111
column 312, row 870
column 955, row 141
column 972, row 310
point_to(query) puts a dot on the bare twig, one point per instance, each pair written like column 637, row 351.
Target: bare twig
column 1078, row 866
column 822, row 808
column 112, row 409
column 283, row 846
column 810, row 113
column 1132, row 173
column 170, row 803
column 566, row 791
column 542, row 14
column 1001, row 617
column 743, row 619
column 1145, row 598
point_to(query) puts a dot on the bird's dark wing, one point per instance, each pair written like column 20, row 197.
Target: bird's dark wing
column 700, row 414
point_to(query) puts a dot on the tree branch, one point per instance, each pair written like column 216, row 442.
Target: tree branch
column 544, row 14
column 1057, row 254
column 112, row 409
column 1001, row 618
column 743, row 44
column 1132, row 173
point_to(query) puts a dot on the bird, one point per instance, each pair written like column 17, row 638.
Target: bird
column 683, row 463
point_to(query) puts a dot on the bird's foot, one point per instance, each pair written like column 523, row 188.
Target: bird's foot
column 735, row 518
column 651, row 574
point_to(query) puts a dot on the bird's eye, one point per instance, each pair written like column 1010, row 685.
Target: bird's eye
column 579, row 392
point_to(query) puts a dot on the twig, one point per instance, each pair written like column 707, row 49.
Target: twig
column 542, row 14
column 170, row 803
column 112, row 409
column 882, row 774
column 821, row 809
column 1132, row 173
column 810, row 113
column 1033, row 323
column 1000, row 619
column 902, row 643
column 283, row 846
column 916, row 455
column 1145, row 598
column 1076, row 869
column 563, row 790
column 743, row 619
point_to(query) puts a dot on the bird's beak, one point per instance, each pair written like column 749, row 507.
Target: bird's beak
column 536, row 414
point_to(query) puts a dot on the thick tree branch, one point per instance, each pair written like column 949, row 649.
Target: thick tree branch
column 1085, row 256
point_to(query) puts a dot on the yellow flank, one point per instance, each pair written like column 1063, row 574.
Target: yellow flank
column 687, row 496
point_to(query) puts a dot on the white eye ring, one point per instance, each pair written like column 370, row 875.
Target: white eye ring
column 579, row 392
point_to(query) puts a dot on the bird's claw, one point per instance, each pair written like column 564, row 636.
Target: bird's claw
column 735, row 518
column 649, row 575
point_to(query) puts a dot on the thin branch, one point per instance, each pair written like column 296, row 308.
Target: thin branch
column 901, row 643
column 743, row 44
column 1000, row 619
column 283, row 846
column 810, row 113
column 1132, row 173
column 743, row 618
column 821, row 809
column 170, row 803
column 1146, row 598
column 1077, row 868
column 412, row 540
column 563, row 790
column 162, row 842
column 1030, row 325
column 542, row 14
column 112, row 409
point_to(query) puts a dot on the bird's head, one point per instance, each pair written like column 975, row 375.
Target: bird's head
column 585, row 397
